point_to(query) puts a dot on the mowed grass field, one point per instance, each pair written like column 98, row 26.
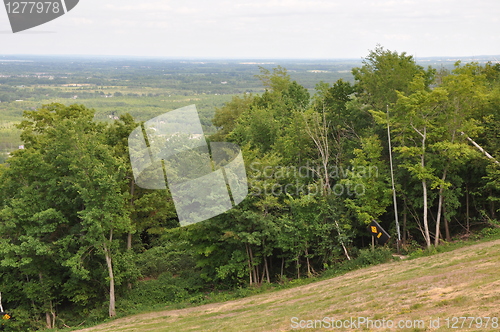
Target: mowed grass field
column 423, row 294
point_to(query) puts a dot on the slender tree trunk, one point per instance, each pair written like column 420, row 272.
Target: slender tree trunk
column 129, row 235
column 424, row 189
column 318, row 131
column 250, row 269
column 426, row 233
column 267, row 270
column 440, row 208
column 132, row 190
column 53, row 313
column 306, row 252
column 298, row 267
column 492, row 206
column 467, row 207
column 282, row 266
column 129, row 247
column 257, row 274
column 48, row 318
column 109, row 263
column 446, row 225
column 426, row 221
column 404, row 226
column 263, row 274
column 254, row 269
column 346, row 253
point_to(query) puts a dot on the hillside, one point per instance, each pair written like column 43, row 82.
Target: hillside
column 461, row 283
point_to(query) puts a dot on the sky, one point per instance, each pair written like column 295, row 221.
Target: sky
column 263, row 29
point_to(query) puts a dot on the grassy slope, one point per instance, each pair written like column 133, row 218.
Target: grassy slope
column 463, row 282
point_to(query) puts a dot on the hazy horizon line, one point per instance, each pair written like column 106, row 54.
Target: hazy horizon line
column 200, row 58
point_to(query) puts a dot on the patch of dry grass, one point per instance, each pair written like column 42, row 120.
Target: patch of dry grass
column 464, row 282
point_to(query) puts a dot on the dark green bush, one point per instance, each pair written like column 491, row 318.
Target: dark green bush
column 162, row 290
column 364, row 257
column 164, row 258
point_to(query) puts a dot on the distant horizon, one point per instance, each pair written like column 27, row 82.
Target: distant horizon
column 192, row 58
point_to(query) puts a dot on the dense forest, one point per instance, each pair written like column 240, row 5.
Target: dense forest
column 80, row 241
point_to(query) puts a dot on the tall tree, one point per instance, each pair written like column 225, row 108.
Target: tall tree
column 384, row 73
column 418, row 116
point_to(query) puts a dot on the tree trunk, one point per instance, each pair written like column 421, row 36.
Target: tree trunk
column 467, row 207
column 492, row 206
column 440, row 208
column 48, row 318
column 267, row 270
column 132, row 190
column 129, row 235
column 446, row 225
column 263, row 275
column 282, row 266
column 250, row 269
column 109, row 263
column 298, row 267
column 404, row 226
column 306, row 252
column 424, row 189
column 253, row 268
column 346, row 253
column 129, row 247
column 52, row 312
column 426, row 221
column 257, row 273
column 318, row 131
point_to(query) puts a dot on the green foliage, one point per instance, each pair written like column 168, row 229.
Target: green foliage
column 164, row 289
column 173, row 257
column 370, row 182
column 225, row 117
column 264, row 120
column 385, row 73
column 55, row 241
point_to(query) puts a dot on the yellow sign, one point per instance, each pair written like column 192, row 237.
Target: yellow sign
column 6, row 316
column 378, row 233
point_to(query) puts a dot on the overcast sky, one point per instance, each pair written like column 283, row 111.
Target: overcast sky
column 264, row 28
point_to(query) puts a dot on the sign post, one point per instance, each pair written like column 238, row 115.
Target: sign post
column 378, row 233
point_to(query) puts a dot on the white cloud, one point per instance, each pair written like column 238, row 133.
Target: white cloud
column 79, row 21
column 268, row 28
column 134, row 7
column 397, row 36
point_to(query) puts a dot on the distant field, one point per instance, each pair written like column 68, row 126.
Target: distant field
column 440, row 288
column 108, row 109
